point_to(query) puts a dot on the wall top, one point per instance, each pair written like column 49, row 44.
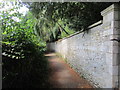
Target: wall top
column 113, row 7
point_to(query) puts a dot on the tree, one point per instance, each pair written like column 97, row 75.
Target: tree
column 76, row 15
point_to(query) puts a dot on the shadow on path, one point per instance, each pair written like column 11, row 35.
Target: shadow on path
column 62, row 76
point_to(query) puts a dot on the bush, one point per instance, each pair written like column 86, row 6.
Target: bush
column 24, row 64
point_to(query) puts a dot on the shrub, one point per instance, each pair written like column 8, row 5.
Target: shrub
column 24, row 64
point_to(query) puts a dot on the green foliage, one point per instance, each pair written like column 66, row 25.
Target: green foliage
column 76, row 16
column 28, row 70
column 24, row 65
column 67, row 29
column 48, row 29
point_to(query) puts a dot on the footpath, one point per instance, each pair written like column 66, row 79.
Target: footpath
column 62, row 75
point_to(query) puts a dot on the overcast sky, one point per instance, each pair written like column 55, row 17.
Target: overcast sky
column 22, row 10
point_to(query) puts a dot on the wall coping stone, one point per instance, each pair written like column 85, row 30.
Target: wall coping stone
column 89, row 27
column 113, row 7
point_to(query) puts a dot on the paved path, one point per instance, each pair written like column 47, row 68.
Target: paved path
column 62, row 76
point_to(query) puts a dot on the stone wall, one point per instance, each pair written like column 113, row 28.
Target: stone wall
column 94, row 55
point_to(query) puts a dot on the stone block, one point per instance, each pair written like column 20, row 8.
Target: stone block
column 115, row 24
column 115, row 43
column 115, row 49
column 114, row 36
column 106, row 25
column 109, row 58
column 117, row 15
column 108, row 15
column 115, row 70
column 107, row 32
column 119, row 81
column 115, row 59
column 114, row 9
column 110, row 49
column 115, row 81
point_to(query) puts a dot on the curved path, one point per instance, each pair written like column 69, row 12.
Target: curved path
column 62, row 76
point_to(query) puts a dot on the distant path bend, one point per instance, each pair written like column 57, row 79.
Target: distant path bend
column 62, row 76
